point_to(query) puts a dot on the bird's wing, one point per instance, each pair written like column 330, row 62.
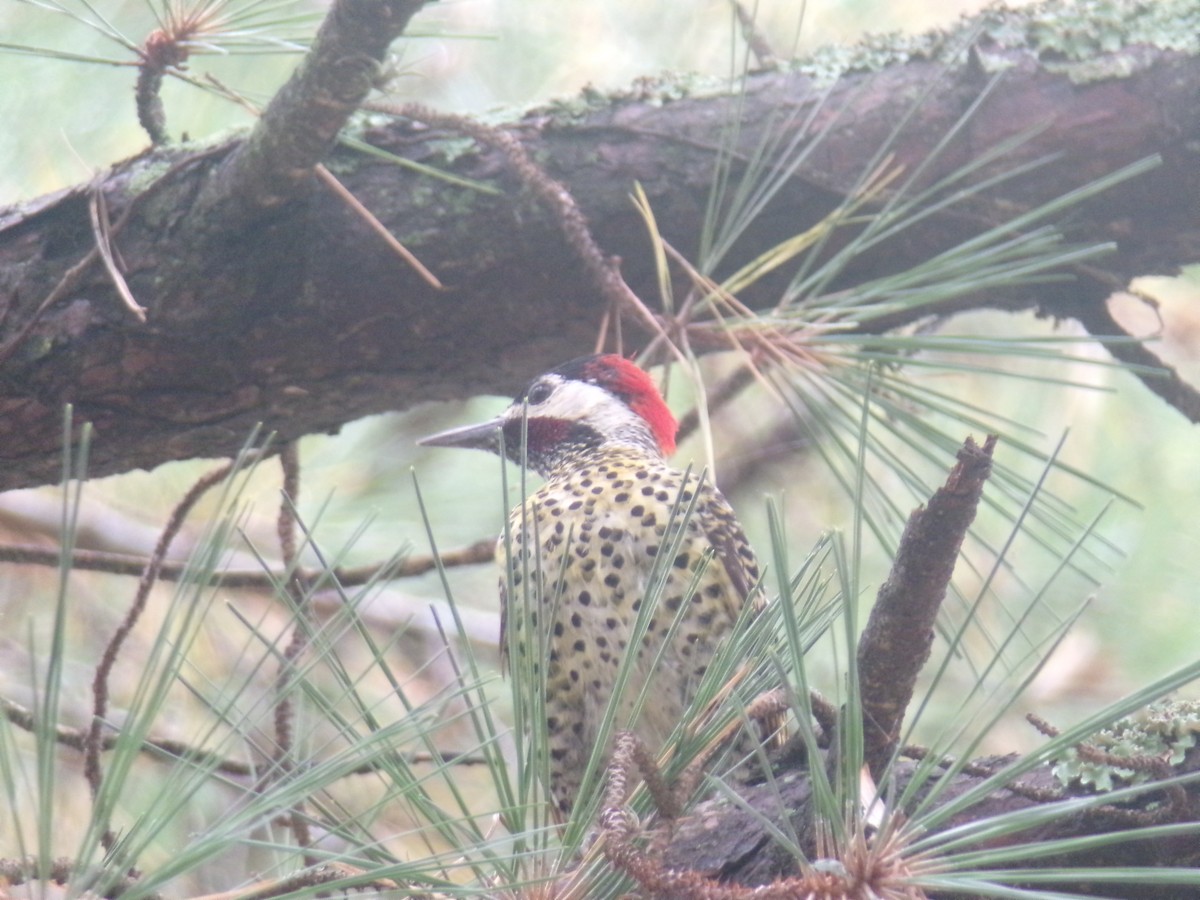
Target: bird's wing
column 733, row 551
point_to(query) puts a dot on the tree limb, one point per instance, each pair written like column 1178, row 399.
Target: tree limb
column 303, row 320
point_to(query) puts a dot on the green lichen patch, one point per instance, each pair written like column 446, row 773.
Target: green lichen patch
column 1064, row 34
column 1163, row 731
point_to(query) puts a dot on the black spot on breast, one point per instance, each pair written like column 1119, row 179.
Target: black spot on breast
column 638, row 510
column 576, row 620
column 612, row 580
column 622, row 497
column 585, row 598
column 681, row 561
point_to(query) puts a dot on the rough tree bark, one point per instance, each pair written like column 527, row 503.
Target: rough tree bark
column 295, row 315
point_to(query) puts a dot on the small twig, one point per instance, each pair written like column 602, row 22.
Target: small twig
column 605, row 271
column 289, row 460
column 77, row 739
column 330, row 180
column 92, row 768
column 716, row 397
column 1160, row 378
column 1030, row 792
column 314, row 876
column 483, row 551
column 755, row 39
column 344, row 194
column 162, row 50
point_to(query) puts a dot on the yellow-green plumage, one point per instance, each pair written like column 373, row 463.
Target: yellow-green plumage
column 599, row 526
column 584, row 547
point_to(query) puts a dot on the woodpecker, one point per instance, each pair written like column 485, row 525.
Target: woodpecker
column 598, row 431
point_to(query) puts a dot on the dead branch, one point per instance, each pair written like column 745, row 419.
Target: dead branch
column 895, row 645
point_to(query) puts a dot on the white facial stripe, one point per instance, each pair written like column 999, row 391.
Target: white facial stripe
column 578, row 401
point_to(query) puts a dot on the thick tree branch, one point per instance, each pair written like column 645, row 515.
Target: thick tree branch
column 304, row 320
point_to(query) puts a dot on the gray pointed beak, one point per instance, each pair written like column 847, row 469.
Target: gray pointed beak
column 484, row 436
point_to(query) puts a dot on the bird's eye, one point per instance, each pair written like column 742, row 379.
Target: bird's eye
column 539, row 393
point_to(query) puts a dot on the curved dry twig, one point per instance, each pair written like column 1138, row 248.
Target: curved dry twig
column 92, row 769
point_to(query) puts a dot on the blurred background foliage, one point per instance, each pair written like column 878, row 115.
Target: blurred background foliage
column 68, row 119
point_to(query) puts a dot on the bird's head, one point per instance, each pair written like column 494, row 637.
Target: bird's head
column 582, row 406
